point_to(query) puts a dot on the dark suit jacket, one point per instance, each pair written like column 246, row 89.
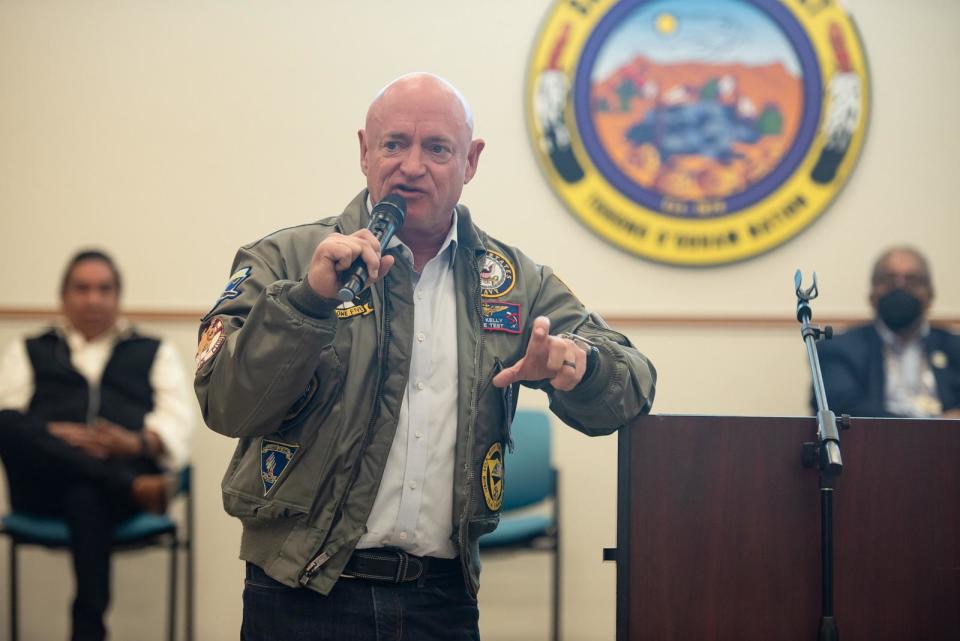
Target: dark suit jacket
column 853, row 370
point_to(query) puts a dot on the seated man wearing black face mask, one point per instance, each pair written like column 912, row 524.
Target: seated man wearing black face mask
column 898, row 365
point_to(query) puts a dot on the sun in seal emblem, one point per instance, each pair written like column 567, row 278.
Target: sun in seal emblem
column 697, row 132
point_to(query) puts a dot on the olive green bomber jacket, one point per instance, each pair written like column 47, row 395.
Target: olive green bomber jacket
column 313, row 392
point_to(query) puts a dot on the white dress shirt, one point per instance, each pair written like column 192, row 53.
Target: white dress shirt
column 413, row 509
column 910, row 387
column 170, row 419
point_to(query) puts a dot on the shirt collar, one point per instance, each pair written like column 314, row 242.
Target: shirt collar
column 893, row 340
column 74, row 337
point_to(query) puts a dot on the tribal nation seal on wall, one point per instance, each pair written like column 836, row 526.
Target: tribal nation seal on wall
column 697, row 132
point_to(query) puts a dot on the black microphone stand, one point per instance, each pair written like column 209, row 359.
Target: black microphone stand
column 825, row 451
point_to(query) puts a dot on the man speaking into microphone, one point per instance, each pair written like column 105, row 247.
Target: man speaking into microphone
column 365, row 422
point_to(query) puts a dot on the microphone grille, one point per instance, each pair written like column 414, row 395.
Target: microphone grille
column 394, row 204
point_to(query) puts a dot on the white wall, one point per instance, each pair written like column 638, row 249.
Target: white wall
column 172, row 132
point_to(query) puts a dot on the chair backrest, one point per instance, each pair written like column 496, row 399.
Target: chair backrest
column 528, row 478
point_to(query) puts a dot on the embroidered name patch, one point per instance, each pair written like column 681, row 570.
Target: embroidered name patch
column 351, row 309
column 497, row 275
column 274, row 458
column 232, row 289
column 501, row 317
column 491, row 477
column 210, row 343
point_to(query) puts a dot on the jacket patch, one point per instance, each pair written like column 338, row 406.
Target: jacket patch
column 351, row 309
column 938, row 359
column 491, row 477
column 497, row 275
column 274, row 458
column 501, row 317
column 210, row 343
column 232, row 289
column 359, row 306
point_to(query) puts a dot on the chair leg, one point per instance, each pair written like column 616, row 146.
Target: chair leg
column 555, row 623
column 172, row 621
column 14, row 630
column 188, row 544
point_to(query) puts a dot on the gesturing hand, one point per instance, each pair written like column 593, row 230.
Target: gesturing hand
column 554, row 358
column 337, row 252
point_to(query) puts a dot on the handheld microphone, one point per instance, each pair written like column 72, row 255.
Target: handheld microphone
column 386, row 219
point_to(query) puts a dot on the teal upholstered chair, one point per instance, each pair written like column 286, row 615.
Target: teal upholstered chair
column 530, row 480
column 139, row 531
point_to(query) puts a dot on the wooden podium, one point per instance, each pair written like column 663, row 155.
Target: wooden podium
column 719, row 531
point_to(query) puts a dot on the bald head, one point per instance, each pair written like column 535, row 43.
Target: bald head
column 421, row 81
column 897, row 255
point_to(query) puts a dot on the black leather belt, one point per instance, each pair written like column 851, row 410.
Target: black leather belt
column 396, row 566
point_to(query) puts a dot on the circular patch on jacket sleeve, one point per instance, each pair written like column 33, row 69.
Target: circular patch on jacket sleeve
column 211, row 341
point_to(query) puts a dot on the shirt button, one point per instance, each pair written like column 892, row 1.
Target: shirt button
column 419, row 295
column 403, row 535
column 420, row 386
column 418, row 434
column 421, row 337
column 413, row 485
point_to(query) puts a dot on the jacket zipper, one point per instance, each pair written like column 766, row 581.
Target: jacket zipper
column 469, row 446
column 320, row 557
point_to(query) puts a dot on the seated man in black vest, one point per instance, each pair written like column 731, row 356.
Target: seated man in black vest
column 93, row 416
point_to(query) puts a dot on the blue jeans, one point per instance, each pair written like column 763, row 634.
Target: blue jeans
column 358, row 610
